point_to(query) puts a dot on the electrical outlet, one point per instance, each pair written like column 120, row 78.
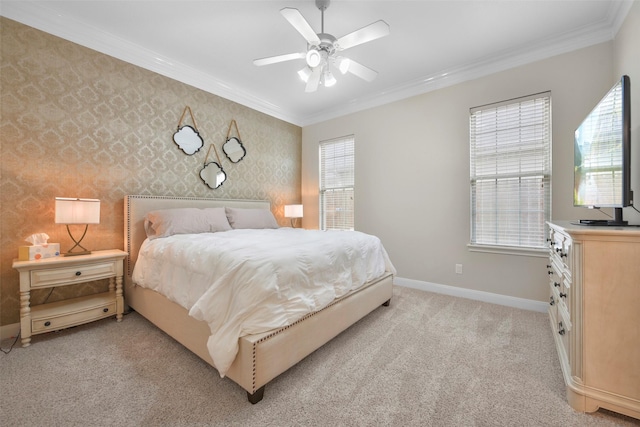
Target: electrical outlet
column 458, row 268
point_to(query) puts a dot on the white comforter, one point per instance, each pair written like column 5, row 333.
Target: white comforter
column 248, row 281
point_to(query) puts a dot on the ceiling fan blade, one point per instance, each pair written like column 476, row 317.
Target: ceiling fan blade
column 296, row 19
column 365, row 34
column 357, row 69
column 278, row 58
column 314, row 80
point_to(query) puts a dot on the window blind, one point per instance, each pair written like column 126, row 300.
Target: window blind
column 510, row 173
column 337, row 183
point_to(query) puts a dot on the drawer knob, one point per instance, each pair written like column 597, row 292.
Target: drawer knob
column 563, row 295
column 551, row 302
column 78, row 273
column 556, row 284
column 105, row 310
column 560, row 328
column 47, row 323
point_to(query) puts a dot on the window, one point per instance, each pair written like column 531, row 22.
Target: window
column 510, row 146
column 337, row 161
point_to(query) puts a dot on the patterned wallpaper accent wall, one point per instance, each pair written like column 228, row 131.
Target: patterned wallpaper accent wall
column 78, row 123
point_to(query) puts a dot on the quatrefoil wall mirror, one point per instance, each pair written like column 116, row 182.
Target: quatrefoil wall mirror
column 233, row 148
column 188, row 138
column 212, row 173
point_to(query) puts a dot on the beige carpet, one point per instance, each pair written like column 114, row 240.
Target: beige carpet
column 427, row 360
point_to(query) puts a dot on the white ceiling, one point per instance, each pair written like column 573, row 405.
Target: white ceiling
column 432, row 44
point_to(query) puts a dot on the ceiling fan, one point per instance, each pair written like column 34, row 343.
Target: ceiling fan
column 323, row 49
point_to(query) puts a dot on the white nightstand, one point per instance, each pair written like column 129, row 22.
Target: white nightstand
column 63, row 271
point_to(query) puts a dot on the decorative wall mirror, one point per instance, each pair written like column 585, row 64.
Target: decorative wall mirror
column 212, row 173
column 188, row 138
column 233, row 148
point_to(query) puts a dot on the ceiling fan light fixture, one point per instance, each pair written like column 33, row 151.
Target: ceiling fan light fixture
column 328, row 79
column 343, row 65
column 322, row 49
column 304, row 74
column 313, row 58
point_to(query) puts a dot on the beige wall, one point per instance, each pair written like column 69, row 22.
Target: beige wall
column 412, row 168
column 77, row 123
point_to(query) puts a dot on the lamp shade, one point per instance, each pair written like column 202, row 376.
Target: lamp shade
column 328, row 78
column 293, row 211
column 77, row 211
column 304, row 74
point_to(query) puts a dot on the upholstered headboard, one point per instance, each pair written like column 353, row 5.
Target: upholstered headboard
column 136, row 207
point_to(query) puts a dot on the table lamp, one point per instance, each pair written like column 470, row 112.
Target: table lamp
column 294, row 212
column 77, row 211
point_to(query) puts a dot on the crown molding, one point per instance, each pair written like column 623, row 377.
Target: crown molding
column 568, row 42
column 46, row 19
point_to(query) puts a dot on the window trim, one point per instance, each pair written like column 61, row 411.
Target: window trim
column 509, row 250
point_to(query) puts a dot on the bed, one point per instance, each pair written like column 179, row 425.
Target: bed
column 261, row 356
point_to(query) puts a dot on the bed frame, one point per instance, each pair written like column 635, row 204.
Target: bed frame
column 261, row 357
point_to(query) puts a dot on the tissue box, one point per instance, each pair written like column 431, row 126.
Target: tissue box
column 30, row 253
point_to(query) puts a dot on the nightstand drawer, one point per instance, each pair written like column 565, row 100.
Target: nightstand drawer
column 62, row 314
column 82, row 273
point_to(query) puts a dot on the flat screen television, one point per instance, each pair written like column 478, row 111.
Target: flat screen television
column 602, row 156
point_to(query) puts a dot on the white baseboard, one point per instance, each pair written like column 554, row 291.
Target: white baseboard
column 9, row 331
column 525, row 304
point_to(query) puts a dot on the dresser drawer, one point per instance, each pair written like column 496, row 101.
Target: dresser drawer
column 555, row 275
column 563, row 327
column 62, row 314
column 553, row 308
column 66, row 275
column 560, row 249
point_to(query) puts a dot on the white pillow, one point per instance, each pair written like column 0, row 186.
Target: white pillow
column 251, row 218
column 167, row 222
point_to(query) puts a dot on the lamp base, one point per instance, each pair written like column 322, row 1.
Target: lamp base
column 77, row 253
column 84, row 250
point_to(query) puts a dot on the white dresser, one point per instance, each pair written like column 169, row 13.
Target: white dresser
column 594, row 286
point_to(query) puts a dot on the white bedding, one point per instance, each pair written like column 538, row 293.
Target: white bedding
column 248, row 281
